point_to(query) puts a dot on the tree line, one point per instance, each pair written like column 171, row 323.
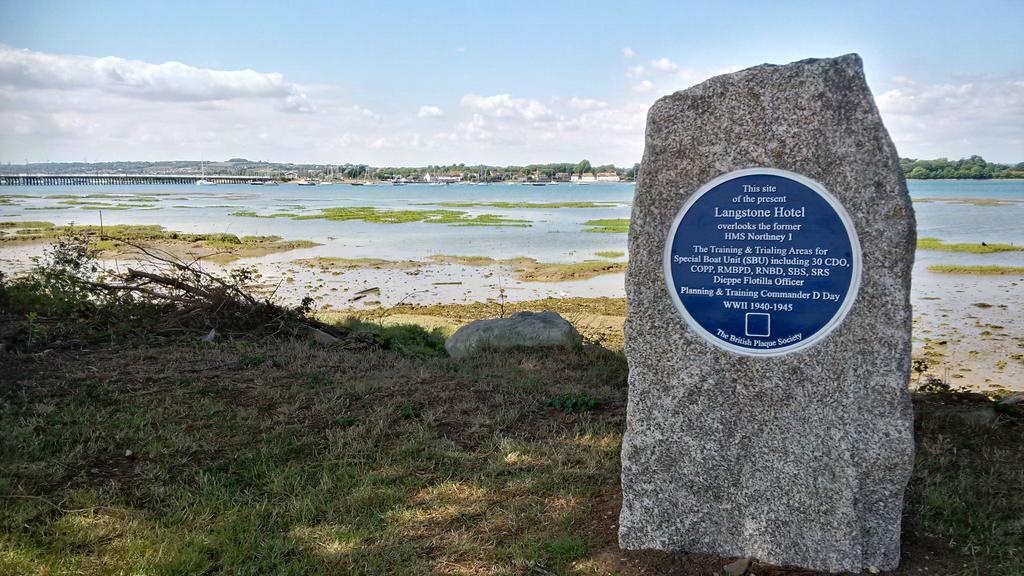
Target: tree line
column 974, row 167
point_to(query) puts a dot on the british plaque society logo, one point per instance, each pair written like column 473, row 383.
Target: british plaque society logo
column 762, row 262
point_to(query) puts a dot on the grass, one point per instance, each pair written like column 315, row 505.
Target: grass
column 26, row 224
column 610, row 254
column 972, row 201
column 338, row 263
column 961, row 493
column 11, row 199
column 560, row 272
column 322, row 462
column 98, row 205
column 975, row 269
column 284, row 457
column 252, row 214
column 379, row 216
column 937, row 244
column 219, row 247
column 608, row 225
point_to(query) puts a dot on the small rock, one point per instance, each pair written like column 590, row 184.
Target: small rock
column 737, row 568
column 1015, row 399
column 210, row 337
column 128, row 453
column 979, row 415
column 520, row 330
column 315, row 334
column 873, row 569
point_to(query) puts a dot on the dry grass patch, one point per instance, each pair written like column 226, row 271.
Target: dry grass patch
column 280, row 456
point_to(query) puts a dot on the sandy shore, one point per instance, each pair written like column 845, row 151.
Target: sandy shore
column 963, row 340
column 968, row 329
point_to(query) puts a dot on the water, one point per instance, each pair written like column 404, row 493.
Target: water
column 977, row 317
column 556, row 234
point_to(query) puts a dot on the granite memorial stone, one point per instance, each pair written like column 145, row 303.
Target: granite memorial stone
column 768, row 324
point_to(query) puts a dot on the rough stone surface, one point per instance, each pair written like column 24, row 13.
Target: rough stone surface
column 520, row 330
column 800, row 459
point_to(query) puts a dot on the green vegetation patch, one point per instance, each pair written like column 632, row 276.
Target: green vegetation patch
column 12, row 199
column 252, row 214
column 113, row 240
column 971, row 201
column 573, row 403
column 337, row 263
column 988, row 270
column 125, row 197
column 98, row 205
column 610, row 254
column 379, row 216
column 609, row 225
column 561, row 272
column 473, row 260
column 491, row 220
column 407, row 339
column 982, row 248
column 27, row 224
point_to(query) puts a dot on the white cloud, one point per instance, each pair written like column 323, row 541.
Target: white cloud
column 586, row 103
column 170, row 81
column 628, row 52
column 664, row 65
column 430, row 112
column 643, row 87
column 636, row 72
column 505, row 106
column 979, row 115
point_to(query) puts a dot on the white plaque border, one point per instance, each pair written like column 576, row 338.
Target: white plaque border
column 837, row 318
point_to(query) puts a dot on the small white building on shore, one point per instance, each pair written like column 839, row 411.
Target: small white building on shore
column 428, row 177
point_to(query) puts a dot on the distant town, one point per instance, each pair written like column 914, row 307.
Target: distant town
column 241, row 169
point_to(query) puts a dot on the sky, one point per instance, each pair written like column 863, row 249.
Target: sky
column 420, row 83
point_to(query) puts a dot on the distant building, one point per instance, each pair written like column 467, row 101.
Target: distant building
column 451, row 177
column 584, row 178
column 607, row 177
column 291, row 174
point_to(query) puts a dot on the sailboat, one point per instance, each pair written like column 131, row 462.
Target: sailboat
column 202, row 176
column 328, row 179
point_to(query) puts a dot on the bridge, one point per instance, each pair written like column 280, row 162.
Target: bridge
column 92, row 179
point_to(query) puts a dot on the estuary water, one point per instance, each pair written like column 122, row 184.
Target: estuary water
column 971, row 326
column 955, row 211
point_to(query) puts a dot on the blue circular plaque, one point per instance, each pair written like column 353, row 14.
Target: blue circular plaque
column 762, row 262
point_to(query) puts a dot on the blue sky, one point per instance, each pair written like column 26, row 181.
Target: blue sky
column 419, row 83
